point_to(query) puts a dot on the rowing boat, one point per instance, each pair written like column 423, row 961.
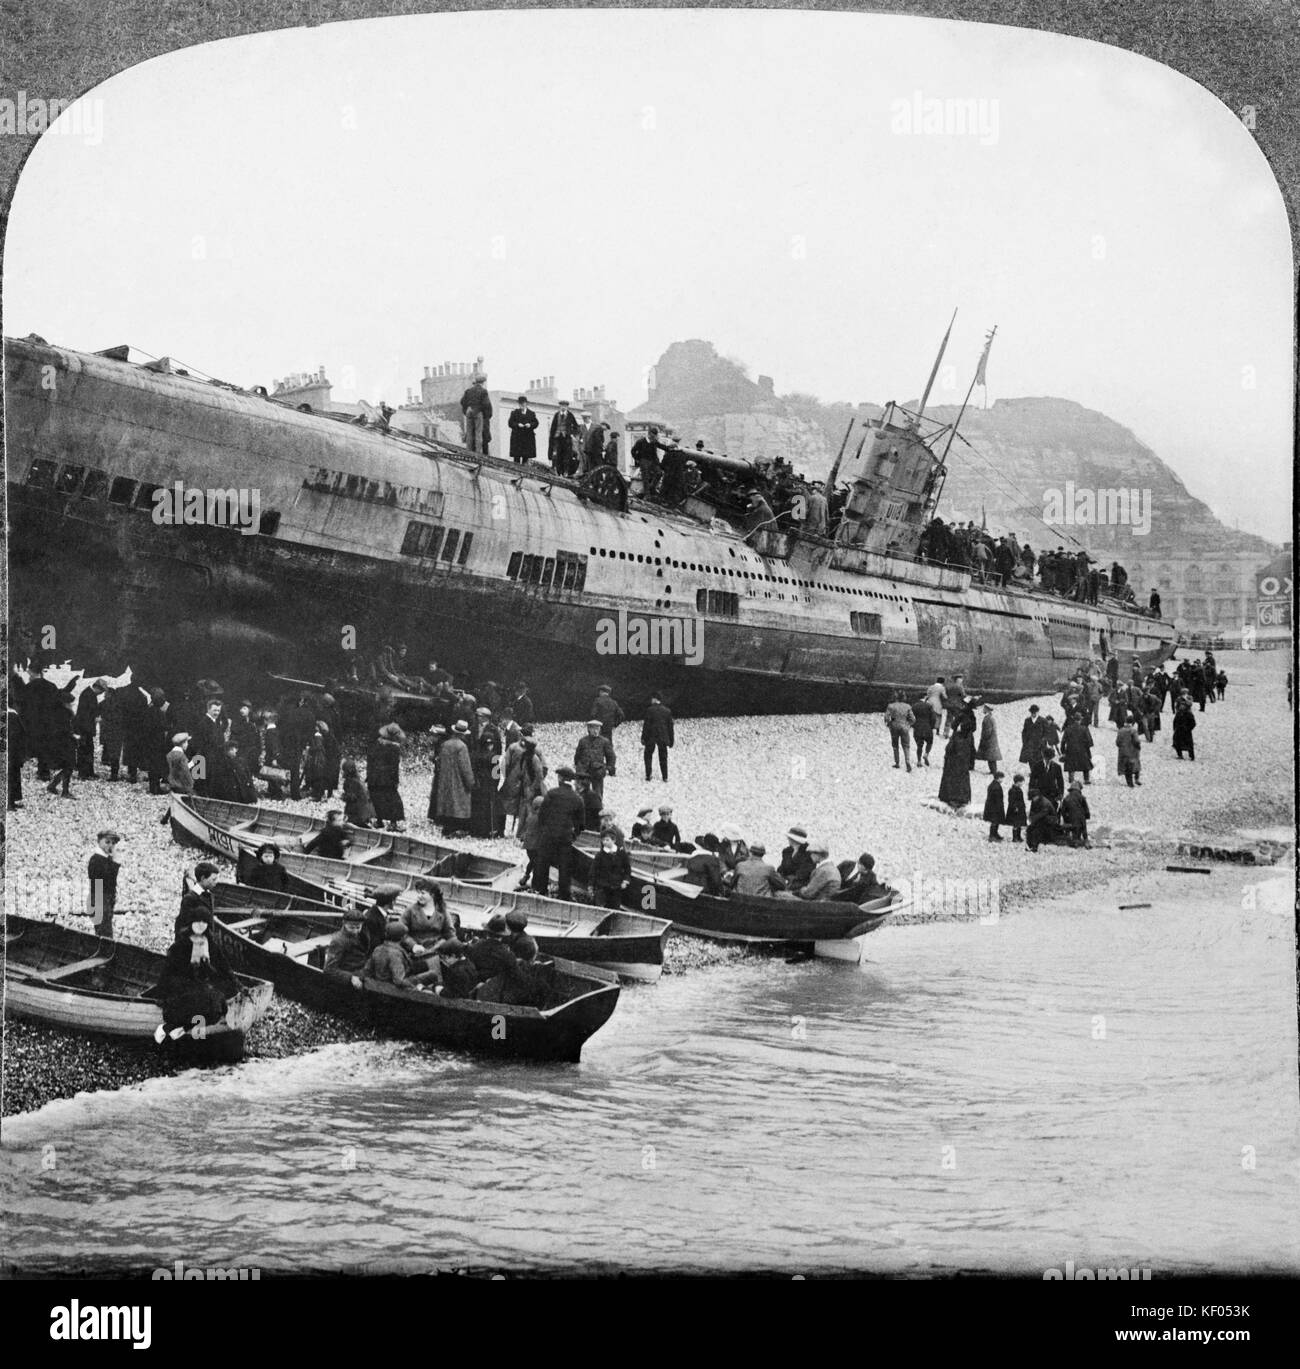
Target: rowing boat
column 228, row 828
column 836, row 930
column 284, row 939
column 77, row 981
column 628, row 942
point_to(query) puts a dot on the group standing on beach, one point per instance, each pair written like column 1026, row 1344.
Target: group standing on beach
column 1059, row 757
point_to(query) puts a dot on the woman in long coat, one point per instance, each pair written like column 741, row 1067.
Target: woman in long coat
column 958, row 757
column 383, row 772
column 487, row 812
column 1076, row 748
column 989, row 750
column 454, row 798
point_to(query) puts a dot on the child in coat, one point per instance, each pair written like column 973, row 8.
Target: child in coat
column 665, row 832
column 1017, row 816
column 357, row 808
column 995, row 813
column 611, row 872
column 1075, row 815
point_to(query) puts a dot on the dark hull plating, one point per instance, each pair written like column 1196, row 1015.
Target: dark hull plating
column 336, row 568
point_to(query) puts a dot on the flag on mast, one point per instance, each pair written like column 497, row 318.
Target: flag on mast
column 980, row 370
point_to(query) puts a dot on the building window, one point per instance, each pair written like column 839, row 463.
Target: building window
column 417, row 537
column 449, row 546
column 269, row 523
column 570, row 571
column 464, row 548
column 720, row 603
column 144, row 496
column 42, row 474
column 865, row 624
column 121, row 491
column 96, row 484
column 512, row 569
column 69, row 479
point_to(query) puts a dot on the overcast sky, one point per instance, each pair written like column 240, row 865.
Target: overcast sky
column 567, row 193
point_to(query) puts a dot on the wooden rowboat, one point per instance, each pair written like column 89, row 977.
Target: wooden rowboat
column 228, row 828
column 627, row 942
column 61, row 977
column 288, row 945
column 835, row 930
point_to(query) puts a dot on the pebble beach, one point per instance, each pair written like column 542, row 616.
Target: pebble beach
column 832, row 775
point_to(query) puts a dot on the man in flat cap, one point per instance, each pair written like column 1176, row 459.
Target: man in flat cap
column 559, row 820
column 594, row 755
column 562, row 448
column 606, row 708
column 476, row 405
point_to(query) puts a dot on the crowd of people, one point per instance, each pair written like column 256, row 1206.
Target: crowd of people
column 1059, row 755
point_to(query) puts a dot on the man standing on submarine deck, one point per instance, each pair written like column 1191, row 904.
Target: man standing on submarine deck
column 476, row 405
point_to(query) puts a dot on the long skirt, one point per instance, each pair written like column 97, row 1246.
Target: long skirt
column 954, row 784
column 487, row 814
column 387, row 804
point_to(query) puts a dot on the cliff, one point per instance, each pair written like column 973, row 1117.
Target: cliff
column 1019, row 461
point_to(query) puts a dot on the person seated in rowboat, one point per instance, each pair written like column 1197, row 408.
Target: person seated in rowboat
column 196, row 896
column 611, row 872
column 375, row 918
column 796, row 865
column 754, row 877
column 347, row 952
column 390, row 963
column 529, row 984
column 196, row 981
column 731, row 847
column 703, row 866
column 268, row 873
column 824, row 882
column 641, row 828
column 665, row 832
column 427, row 920
column 489, row 954
column 517, row 938
column 332, row 841
column 459, row 973
column 858, row 882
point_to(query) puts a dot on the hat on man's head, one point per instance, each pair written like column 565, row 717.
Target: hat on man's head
column 565, row 772
column 461, row 726
column 497, row 925
column 516, row 920
column 483, row 712
column 179, row 737
column 594, row 722
column 797, row 834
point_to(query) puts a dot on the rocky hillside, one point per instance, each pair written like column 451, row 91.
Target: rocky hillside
column 1014, row 463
